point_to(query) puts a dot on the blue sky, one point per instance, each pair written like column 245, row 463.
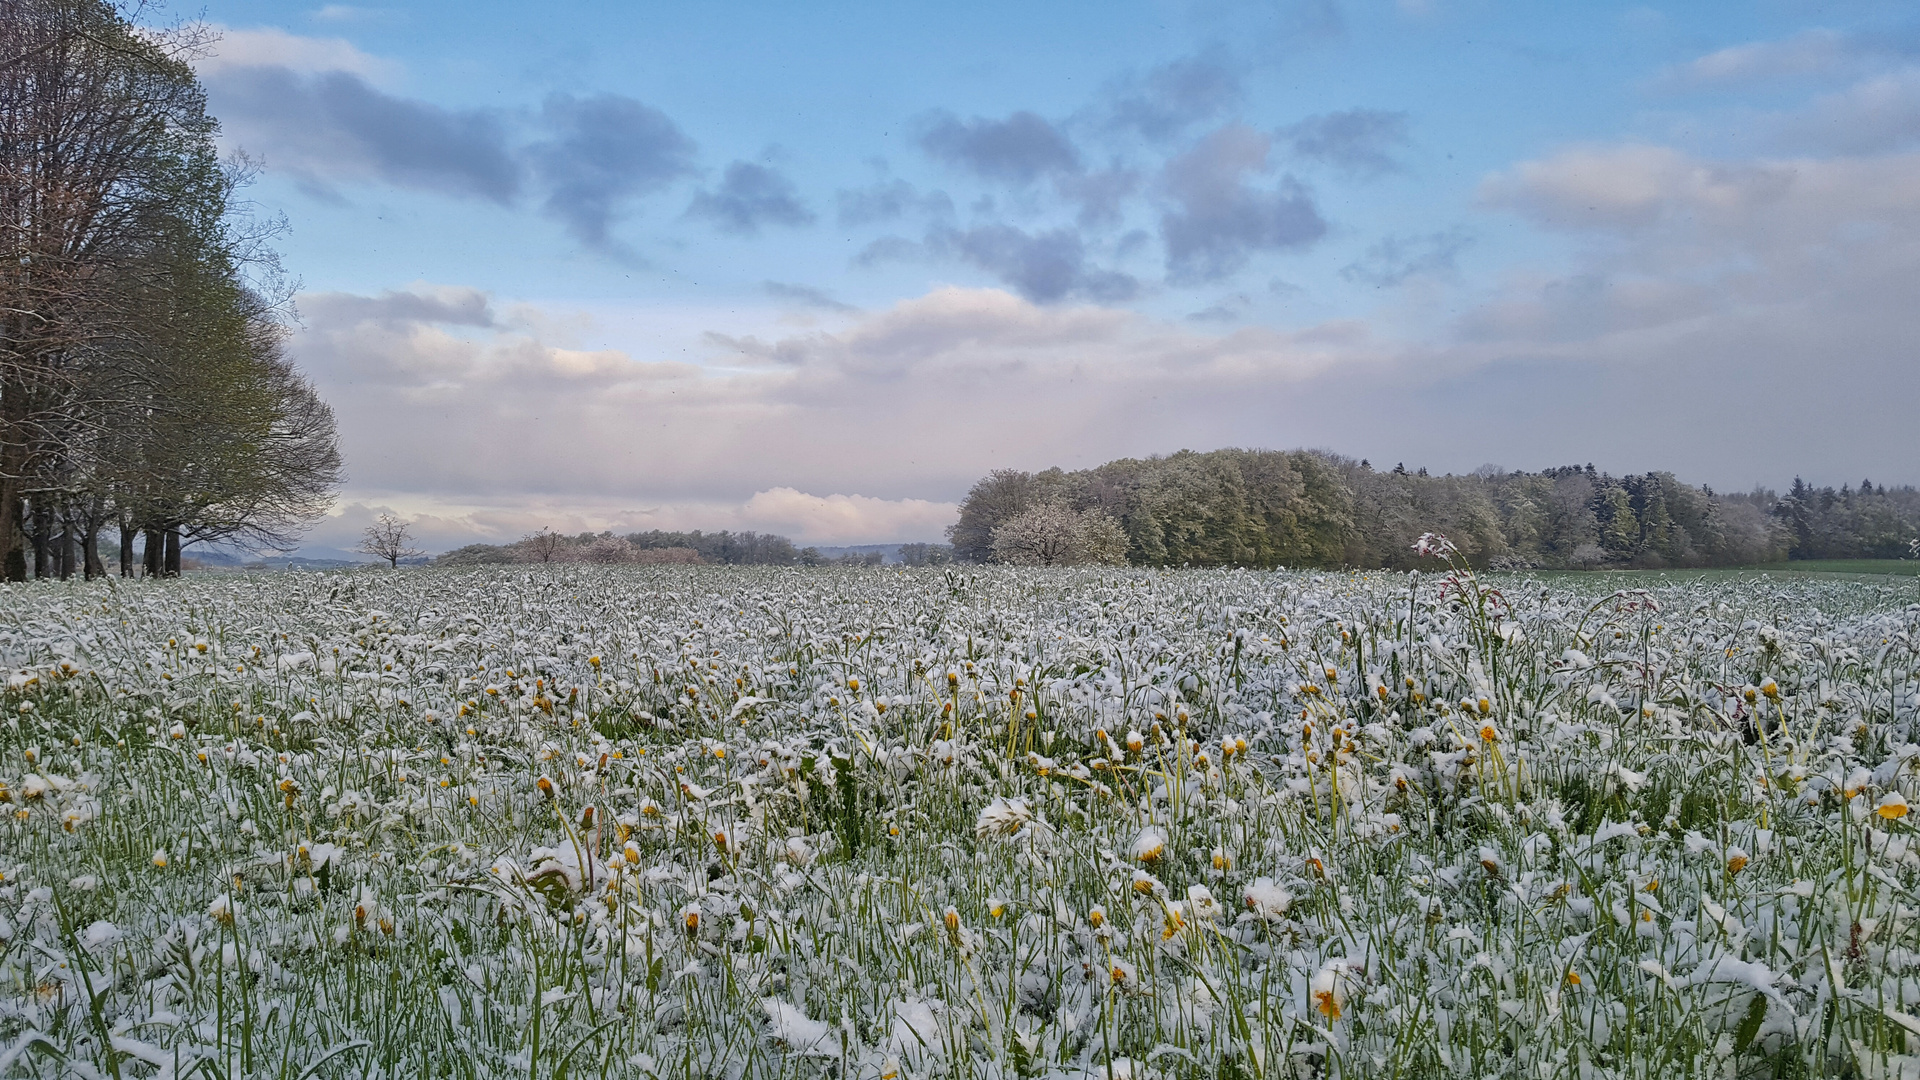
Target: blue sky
column 814, row 268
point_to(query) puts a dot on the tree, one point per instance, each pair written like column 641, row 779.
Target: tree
column 542, row 546
column 99, row 120
column 1054, row 534
column 387, row 538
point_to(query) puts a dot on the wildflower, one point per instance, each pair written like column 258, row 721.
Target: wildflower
column 1893, row 805
column 1268, row 900
column 1123, row 975
column 1328, row 990
column 1201, row 904
column 1003, row 818
column 1736, row 861
column 1174, row 921
column 1096, row 916
column 1856, row 783
column 1149, row 845
column 223, row 910
column 160, row 858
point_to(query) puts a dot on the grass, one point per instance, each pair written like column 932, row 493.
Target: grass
column 878, row 823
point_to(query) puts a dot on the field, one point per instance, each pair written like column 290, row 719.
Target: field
column 692, row 822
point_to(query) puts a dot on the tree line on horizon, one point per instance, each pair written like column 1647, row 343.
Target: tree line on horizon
column 659, row 547
column 1263, row 508
column 144, row 386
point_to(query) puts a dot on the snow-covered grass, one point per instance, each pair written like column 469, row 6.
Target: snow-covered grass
column 701, row 822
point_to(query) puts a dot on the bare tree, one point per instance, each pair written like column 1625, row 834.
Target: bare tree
column 543, row 546
column 387, row 538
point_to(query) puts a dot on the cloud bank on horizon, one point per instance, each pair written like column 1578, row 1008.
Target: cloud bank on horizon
column 671, row 268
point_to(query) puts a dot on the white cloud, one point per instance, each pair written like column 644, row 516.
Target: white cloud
column 272, row 47
column 1810, row 52
column 438, row 524
column 826, row 518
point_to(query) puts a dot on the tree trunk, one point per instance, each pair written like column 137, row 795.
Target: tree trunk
column 42, row 536
column 13, row 540
column 127, row 534
column 13, row 461
column 64, row 546
column 172, row 568
column 154, row 547
column 90, row 551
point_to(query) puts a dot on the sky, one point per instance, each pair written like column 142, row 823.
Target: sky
column 816, row 268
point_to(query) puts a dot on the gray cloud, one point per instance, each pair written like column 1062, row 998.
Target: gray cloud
column 1166, row 101
column 748, row 197
column 1875, row 115
column 1020, row 149
column 604, row 151
column 1101, row 196
column 806, row 296
column 1355, row 141
column 1044, row 266
column 446, row 306
column 333, row 126
column 1222, row 219
column 1398, row 258
column 890, row 201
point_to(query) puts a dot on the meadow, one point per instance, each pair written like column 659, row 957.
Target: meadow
column 973, row 822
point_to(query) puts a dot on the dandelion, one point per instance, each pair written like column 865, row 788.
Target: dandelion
column 1003, row 818
column 160, row 858
column 1892, row 806
column 1149, row 845
column 1328, row 990
column 1267, row 900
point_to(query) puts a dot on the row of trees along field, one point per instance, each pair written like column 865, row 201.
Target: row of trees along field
column 1305, row 508
column 143, row 382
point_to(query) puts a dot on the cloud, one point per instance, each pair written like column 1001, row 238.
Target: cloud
column 1873, row 116
column 806, row 296
column 1395, row 259
column 1810, row 52
column 275, row 48
column 334, row 126
column 1221, row 219
column 1020, row 149
column 603, row 152
column 429, row 304
column 1044, row 266
column 890, row 201
column 1629, row 187
column 748, row 197
column 348, row 13
column 913, row 402
column 1355, row 141
column 1102, row 196
column 438, row 524
column 823, row 518
column 1163, row 103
